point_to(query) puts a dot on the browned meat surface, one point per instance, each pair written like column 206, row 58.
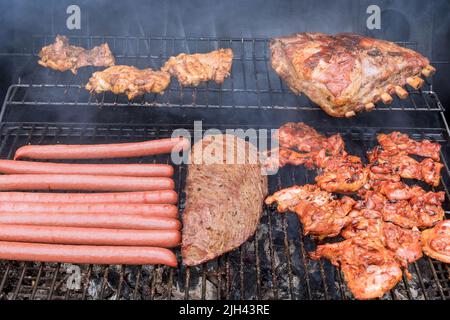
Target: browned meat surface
column 320, row 213
column 436, row 241
column 345, row 73
column 128, row 80
column 370, row 269
column 397, row 142
column 192, row 69
column 224, row 201
column 62, row 56
column 423, row 210
column 385, row 163
column 404, row 243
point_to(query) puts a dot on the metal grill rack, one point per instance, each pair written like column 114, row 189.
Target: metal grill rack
column 272, row 265
column 252, row 84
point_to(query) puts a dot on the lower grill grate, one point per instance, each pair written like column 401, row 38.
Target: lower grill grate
column 272, row 265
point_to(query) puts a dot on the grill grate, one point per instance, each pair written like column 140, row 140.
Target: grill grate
column 252, row 84
column 271, row 265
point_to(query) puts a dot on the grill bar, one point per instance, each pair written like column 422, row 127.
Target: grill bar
column 252, row 84
column 272, row 264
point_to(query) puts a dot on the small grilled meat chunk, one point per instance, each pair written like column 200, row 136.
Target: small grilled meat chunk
column 62, row 56
column 383, row 162
column 404, row 243
column 224, row 197
column 320, row 213
column 128, row 80
column 345, row 73
column 192, row 69
column 397, row 142
column 436, row 241
column 370, row 269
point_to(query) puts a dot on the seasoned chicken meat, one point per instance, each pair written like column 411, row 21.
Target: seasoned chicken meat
column 370, row 269
column 436, row 241
column 320, row 213
column 397, row 142
column 128, row 80
column 62, row 56
column 346, row 73
column 192, row 69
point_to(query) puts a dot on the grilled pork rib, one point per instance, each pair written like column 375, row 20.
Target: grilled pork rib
column 61, row 56
column 346, row 73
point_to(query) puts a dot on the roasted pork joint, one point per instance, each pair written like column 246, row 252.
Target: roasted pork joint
column 345, row 73
column 436, row 241
column 62, row 56
column 370, row 269
column 128, row 80
column 192, row 69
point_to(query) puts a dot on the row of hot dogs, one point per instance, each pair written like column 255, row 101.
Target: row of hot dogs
column 133, row 222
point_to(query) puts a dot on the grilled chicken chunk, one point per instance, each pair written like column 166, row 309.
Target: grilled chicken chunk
column 62, row 57
column 346, row 73
column 404, row 243
column 192, row 69
column 370, row 269
column 320, row 213
column 386, row 163
column 436, row 241
column 128, row 80
column 397, row 142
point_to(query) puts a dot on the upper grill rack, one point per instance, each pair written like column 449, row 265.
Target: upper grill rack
column 252, row 84
column 272, row 265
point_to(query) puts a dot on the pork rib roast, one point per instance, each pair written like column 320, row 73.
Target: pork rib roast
column 224, row 197
column 346, row 73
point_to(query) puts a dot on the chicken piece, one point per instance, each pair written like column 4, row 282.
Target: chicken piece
column 320, row 213
column 345, row 73
column 382, row 162
column 404, row 243
column 62, row 57
column 345, row 174
column 192, row 69
column 436, row 241
column 370, row 269
column 397, row 190
column 128, row 80
column 397, row 142
column 421, row 211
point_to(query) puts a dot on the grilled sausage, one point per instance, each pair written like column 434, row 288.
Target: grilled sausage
column 90, row 220
column 130, row 170
column 90, row 236
column 83, row 182
column 154, row 210
column 86, row 254
column 102, row 151
column 163, row 196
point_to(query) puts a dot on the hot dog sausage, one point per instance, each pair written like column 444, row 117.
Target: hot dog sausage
column 83, row 182
column 156, row 210
column 129, row 170
column 86, row 254
column 90, row 236
column 102, row 151
column 163, row 196
column 91, row 220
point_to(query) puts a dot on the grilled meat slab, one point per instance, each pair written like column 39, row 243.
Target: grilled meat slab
column 192, row 69
column 346, row 73
column 370, row 269
column 128, row 80
column 62, row 57
column 436, row 241
column 224, row 198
